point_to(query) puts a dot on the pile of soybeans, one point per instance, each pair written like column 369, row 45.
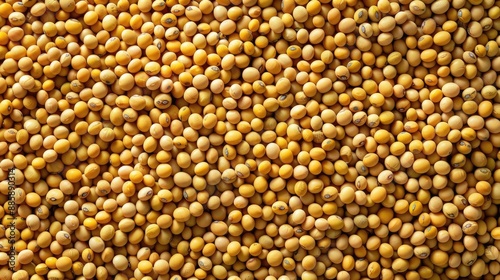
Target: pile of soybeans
column 250, row 139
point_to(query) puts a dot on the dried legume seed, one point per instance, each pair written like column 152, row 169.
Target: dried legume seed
column 251, row 139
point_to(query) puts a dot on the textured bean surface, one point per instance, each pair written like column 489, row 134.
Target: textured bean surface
column 250, row 139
